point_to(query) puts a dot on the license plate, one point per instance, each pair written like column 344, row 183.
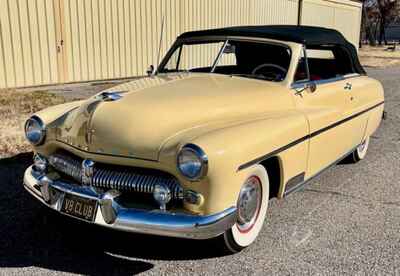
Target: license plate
column 79, row 207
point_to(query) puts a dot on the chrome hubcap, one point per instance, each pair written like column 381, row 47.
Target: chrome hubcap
column 249, row 203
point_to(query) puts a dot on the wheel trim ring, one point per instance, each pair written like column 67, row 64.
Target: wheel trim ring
column 258, row 208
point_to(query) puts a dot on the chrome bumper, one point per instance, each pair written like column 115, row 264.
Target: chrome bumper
column 111, row 214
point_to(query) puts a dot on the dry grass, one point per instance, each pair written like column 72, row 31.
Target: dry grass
column 379, row 57
column 15, row 108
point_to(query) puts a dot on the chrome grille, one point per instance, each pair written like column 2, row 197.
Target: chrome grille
column 67, row 165
column 125, row 179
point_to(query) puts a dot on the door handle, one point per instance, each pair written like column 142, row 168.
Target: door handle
column 348, row 86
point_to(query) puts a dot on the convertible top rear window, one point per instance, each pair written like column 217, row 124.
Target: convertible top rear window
column 324, row 63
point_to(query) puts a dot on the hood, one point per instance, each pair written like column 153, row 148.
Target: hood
column 153, row 110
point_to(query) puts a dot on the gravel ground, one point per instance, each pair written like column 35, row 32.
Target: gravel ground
column 346, row 221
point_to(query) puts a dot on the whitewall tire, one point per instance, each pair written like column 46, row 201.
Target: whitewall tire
column 252, row 208
column 361, row 151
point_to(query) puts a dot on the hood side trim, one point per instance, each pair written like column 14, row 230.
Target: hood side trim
column 107, row 154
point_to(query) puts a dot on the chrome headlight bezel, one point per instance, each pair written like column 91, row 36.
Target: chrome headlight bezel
column 198, row 155
column 40, row 128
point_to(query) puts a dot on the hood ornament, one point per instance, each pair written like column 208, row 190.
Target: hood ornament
column 87, row 171
column 110, row 96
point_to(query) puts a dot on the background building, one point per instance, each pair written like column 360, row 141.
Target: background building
column 60, row 41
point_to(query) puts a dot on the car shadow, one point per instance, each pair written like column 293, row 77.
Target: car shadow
column 348, row 160
column 33, row 235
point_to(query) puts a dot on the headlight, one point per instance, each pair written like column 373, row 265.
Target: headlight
column 35, row 130
column 192, row 162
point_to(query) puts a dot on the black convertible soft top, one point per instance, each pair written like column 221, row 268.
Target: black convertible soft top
column 312, row 37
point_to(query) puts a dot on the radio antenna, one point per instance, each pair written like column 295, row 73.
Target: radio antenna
column 161, row 38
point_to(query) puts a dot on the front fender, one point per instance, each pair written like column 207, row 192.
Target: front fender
column 49, row 117
column 230, row 147
column 50, row 114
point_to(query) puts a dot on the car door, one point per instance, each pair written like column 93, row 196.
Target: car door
column 356, row 87
column 326, row 103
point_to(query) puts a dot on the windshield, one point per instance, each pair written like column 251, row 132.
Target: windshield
column 250, row 59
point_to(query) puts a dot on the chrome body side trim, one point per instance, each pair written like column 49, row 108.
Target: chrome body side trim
column 304, row 138
column 112, row 215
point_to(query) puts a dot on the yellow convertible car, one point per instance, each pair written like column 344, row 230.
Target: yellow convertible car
column 230, row 118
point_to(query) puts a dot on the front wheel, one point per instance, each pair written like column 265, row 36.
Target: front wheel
column 252, row 208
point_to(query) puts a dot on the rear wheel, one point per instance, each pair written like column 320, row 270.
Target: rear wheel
column 252, row 207
column 361, row 151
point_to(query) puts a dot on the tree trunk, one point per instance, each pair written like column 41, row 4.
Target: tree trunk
column 382, row 34
column 370, row 36
column 367, row 27
column 375, row 35
column 384, row 10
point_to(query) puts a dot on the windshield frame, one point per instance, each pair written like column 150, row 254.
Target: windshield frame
column 225, row 39
column 189, row 41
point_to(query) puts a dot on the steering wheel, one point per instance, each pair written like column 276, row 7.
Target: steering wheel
column 280, row 68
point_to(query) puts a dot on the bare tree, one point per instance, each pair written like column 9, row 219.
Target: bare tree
column 377, row 15
column 385, row 8
column 366, row 23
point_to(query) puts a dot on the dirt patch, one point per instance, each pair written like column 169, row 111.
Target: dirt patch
column 15, row 108
column 73, row 91
column 16, row 105
column 380, row 56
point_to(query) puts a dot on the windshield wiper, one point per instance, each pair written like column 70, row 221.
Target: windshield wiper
column 174, row 71
column 257, row 77
column 250, row 76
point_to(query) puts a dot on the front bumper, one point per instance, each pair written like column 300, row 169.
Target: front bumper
column 111, row 214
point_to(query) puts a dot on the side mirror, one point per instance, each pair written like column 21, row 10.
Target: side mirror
column 151, row 70
column 310, row 86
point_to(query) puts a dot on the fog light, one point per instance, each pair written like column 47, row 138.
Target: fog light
column 192, row 197
column 40, row 163
column 162, row 194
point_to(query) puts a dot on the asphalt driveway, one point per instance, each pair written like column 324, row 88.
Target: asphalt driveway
column 347, row 221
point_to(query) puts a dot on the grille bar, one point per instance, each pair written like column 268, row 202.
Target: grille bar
column 67, row 165
column 122, row 180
